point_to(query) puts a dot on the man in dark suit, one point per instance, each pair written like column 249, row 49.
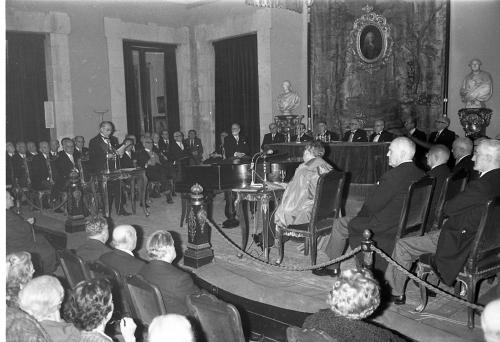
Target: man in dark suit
column 301, row 135
column 236, row 145
column 174, row 284
column 442, row 135
column 164, row 141
column 462, row 151
column 65, row 162
column 381, row 210
column 379, row 133
column 95, row 244
column 437, row 157
column 9, row 166
column 32, row 150
column 418, row 137
column 273, row 137
column 324, row 134
column 355, row 134
column 42, row 175
column 178, row 152
column 80, row 149
column 122, row 258
column 128, row 157
column 54, row 149
column 452, row 243
column 20, row 165
column 195, row 147
column 20, row 237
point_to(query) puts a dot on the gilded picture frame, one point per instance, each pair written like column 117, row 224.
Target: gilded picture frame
column 370, row 41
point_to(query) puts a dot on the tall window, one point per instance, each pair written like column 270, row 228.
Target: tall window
column 237, row 87
column 151, row 87
column 26, row 87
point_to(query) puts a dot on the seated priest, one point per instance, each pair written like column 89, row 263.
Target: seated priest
column 298, row 198
column 272, row 137
column 150, row 160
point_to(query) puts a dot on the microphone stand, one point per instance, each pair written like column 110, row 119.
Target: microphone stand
column 253, row 166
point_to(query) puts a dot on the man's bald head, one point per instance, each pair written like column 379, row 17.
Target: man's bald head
column 462, row 147
column 437, row 155
column 124, row 237
column 401, row 150
column 489, row 321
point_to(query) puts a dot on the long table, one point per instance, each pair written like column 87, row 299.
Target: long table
column 366, row 162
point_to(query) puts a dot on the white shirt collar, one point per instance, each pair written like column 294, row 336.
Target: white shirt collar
column 412, row 130
column 126, row 251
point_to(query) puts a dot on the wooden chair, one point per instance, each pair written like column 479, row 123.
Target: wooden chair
column 483, row 261
column 326, row 208
column 454, row 184
column 416, row 205
column 296, row 334
column 144, row 298
column 73, row 267
column 98, row 269
column 220, row 321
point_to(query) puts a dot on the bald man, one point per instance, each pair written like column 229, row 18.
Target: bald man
column 381, row 210
column 121, row 258
column 490, row 321
column 453, row 242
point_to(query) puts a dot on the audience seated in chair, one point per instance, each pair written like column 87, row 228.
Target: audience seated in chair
column 42, row 298
column 97, row 235
column 382, row 209
column 20, row 237
column 19, row 271
column 122, row 258
column 90, row 306
column 355, row 296
column 174, row 284
column 172, row 328
column 489, row 321
column 453, row 242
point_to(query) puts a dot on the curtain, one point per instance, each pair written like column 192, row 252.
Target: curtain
column 237, row 87
column 26, row 88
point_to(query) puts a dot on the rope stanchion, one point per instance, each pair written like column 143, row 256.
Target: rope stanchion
column 424, row 283
column 285, row 268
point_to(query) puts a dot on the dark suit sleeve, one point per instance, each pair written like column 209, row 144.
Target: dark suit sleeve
column 363, row 136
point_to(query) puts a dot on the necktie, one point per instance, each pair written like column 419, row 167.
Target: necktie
column 192, row 142
column 273, row 137
column 237, row 138
column 351, row 136
column 181, row 145
column 437, row 136
column 49, row 168
column 70, row 156
column 377, row 136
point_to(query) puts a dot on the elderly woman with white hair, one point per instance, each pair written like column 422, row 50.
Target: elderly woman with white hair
column 19, row 272
column 174, row 284
column 355, row 296
column 42, row 298
column 172, row 328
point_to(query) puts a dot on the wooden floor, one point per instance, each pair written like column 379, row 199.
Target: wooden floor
column 300, row 291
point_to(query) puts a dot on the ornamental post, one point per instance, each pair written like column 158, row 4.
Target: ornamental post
column 74, row 205
column 199, row 251
column 366, row 249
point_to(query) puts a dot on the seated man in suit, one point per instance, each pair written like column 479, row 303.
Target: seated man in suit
column 381, row 211
column 379, row 133
column 324, row 134
column 42, row 176
column 20, row 237
column 437, row 157
column 462, row 151
column 97, row 236
column 273, row 137
column 452, row 243
column 355, row 134
column 236, row 144
column 301, row 135
column 195, row 147
column 175, row 284
column 122, row 258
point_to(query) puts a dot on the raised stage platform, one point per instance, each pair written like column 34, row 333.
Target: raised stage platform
column 269, row 298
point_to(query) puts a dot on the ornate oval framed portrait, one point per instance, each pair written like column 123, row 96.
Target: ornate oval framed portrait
column 370, row 41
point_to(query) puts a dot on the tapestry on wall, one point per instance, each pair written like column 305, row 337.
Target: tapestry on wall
column 383, row 61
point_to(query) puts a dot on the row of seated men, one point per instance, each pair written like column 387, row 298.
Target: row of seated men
column 381, row 210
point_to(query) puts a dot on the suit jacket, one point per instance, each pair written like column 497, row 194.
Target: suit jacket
column 446, row 138
column 64, row 166
column 127, row 162
column 384, row 137
column 123, row 262
column 197, row 147
column 9, row 169
column 268, row 139
column 382, row 209
column 303, row 138
column 440, row 173
column 231, row 146
column 174, row 284
column 163, row 145
column 467, row 164
column 175, row 153
column 91, row 250
column 464, row 214
column 97, row 152
column 40, row 172
column 359, row 136
column 20, row 166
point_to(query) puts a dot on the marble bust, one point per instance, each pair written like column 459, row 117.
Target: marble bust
column 288, row 100
column 477, row 86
